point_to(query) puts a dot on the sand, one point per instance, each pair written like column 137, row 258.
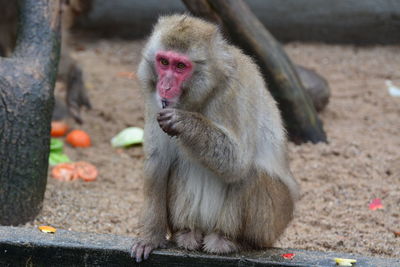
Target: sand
column 338, row 180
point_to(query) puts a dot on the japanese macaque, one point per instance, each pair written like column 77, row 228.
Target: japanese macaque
column 217, row 176
column 69, row 72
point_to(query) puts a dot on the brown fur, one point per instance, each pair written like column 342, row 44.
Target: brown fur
column 225, row 171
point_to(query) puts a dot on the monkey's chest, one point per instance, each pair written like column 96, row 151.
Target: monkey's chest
column 196, row 196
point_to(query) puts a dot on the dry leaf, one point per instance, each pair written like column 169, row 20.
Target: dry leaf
column 288, row 256
column 344, row 262
column 126, row 74
column 376, row 204
column 47, row 229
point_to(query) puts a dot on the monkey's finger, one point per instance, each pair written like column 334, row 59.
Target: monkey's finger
column 164, row 118
column 175, row 128
column 165, row 115
column 169, row 128
column 133, row 250
column 165, row 126
column 167, row 112
column 139, row 253
column 147, row 251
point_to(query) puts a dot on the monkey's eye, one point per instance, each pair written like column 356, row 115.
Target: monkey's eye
column 164, row 61
column 181, row 65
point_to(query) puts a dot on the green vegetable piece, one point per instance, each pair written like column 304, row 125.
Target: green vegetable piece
column 56, row 145
column 56, row 158
column 127, row 137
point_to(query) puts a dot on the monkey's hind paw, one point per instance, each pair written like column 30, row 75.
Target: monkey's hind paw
column 218, row 244
column 188, row 239
column 141, row 249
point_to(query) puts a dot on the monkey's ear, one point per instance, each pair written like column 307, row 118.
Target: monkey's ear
column 221, row 51
column 217, row 40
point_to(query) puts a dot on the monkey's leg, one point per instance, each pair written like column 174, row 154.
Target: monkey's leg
column 219, row 244
column 188, row 239
column 216, row 148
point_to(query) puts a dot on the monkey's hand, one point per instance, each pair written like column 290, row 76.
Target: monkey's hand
column 215, row 147
column 141, row 248
column 171, row 121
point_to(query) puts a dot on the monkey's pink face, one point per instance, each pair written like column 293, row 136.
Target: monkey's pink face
column 173, row 69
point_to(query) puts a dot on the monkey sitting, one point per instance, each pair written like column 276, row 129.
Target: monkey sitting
column 216, row 172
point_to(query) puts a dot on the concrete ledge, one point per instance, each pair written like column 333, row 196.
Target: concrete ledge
column 30, row 247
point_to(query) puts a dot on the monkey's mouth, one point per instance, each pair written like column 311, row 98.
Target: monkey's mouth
column 169, row 103
column 164, row 103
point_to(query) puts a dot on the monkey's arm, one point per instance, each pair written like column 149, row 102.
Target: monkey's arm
column 213, row 146
column 153, row 221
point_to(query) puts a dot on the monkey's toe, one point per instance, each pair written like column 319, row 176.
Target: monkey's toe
column 187, row 239
column 218, row 244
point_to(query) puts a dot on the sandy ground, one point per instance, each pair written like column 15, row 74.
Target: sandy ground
column 339, row 179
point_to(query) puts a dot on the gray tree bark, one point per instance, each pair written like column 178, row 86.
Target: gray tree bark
column 27, row 81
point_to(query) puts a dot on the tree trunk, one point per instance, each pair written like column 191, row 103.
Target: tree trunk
column 27, row 82
column 247, row 32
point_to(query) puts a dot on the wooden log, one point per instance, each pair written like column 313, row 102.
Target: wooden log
column 27, row 82
column 316, row 86
column 241, row 25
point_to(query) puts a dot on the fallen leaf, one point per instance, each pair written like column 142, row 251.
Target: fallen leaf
column 396, row 234
column 376, row 204
column 126, row 74
column 47, row 229
column 344, row 262
column 288, row 256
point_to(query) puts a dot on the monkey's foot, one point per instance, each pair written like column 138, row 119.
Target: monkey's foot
column 218, row 244
column 141, row 248
column 188, row 239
